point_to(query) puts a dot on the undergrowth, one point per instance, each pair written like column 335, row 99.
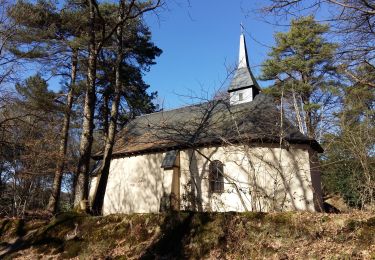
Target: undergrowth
column 188, row 235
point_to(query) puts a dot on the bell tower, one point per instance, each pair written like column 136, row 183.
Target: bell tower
column 243, row 87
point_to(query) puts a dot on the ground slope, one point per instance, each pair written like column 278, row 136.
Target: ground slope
column 188, row 235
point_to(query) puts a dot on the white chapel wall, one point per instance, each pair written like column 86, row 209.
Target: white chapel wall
column 241, row 96
column 137, row 184
column 253, row 177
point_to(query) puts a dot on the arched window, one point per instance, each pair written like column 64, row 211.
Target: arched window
column 216, row 176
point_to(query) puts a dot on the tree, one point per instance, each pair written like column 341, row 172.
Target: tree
column 8, row 62
column 131, row 10
column 83, row 33
column 31, row 157
column 353, row 22
column 56, row 188
column 301, row 64
column 349, row 164
column 136, row 44
column 51, row 36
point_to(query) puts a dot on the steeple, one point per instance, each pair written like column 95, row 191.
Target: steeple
column 243, row 87
column 243, row 61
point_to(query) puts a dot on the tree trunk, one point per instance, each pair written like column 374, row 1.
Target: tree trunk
column 56, row 187
column 110, row 138
column 310, row 130
column 81, row 190
column 105, row 115
column 298, row 115
column 309, row 126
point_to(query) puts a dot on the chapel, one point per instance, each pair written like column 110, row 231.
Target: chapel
column 230, row 154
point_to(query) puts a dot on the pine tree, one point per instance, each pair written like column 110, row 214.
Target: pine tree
column 50, row 36
column 131, row 10
column 130, row 40
column 302, row 64
column 87, row 34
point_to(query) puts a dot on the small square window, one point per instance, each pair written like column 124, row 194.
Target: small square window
column 169, row 159
column 240, row 96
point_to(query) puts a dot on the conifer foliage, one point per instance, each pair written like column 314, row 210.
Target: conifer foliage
column 301, row 63
column 98, row 51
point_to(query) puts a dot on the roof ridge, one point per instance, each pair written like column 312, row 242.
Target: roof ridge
column 173, row 109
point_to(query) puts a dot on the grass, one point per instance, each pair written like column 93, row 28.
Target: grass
column 192, row 236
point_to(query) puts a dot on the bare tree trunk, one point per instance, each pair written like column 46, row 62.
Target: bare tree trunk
column 310, row 130
column 309, row 126
column 81, row 189
column 110, row 137
column 298, row 115
column 56, row 187
column 105, row 115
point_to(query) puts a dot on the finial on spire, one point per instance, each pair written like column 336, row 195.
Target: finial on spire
column 242, row 28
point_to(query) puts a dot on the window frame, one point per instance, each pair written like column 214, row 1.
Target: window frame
column 240, row 96
column 216, row 183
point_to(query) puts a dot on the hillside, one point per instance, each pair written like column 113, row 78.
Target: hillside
column 191, row 235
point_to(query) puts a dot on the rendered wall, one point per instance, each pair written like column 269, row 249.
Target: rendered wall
column 260, row 178
column 254, row 180
column 247, row 96
column 137, row 184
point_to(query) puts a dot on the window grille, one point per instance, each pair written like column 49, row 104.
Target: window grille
column 216, row 177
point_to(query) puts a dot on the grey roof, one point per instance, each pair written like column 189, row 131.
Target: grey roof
column 243, row 78
column 209, row 123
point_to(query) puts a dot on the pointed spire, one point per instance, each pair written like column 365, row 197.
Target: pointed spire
column 243, row 77
column 243, row 87
column 243, row 61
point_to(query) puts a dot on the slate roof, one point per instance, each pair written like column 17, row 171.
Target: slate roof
column 210, row 123
column 243, row 78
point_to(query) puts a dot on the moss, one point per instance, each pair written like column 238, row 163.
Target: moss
column 341, row 237
column 363, row 230
column 48, row 245
column 20, row 227
column 351, row 225
column 180, row 235
column 324, row 219
column 72, row 248
column 371, row 222
column 259, row 216
column 207, row 232
column 367, row 232
column 61, row 224
column 34, row 225
column 5, row 226
column 280, row 217
column 12, row 228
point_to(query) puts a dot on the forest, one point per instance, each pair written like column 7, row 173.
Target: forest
column 100, row 51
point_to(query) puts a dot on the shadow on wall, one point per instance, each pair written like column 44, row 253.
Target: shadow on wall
column 281, row 179
column 257, row 177
column 196, row 188
column 263, row 176
column 137, row 184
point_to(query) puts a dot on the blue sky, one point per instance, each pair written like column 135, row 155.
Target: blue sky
column 200, row 41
